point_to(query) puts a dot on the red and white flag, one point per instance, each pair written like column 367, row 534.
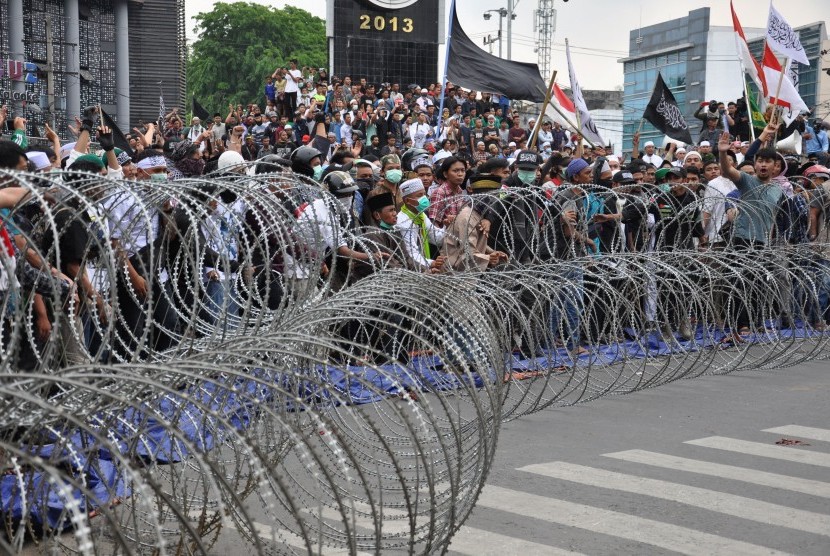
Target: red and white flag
column 560, row 100
column 751, row 65
column 788, row 96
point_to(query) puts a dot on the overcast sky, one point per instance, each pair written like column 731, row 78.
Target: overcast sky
column 599, row 27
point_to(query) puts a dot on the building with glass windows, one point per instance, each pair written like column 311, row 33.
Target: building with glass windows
column 58, row 57
column 699, row 63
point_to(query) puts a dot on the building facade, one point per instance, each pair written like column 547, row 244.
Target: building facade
column 121, row 54
column 699, row 62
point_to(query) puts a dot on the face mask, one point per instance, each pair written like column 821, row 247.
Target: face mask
column 345, row 202
column 162, row 176
column 394, row 176
column 604, row 182
column 385, row 226
column 527, row 177
column 423, row 203
column 664, row 187
column 318, row 172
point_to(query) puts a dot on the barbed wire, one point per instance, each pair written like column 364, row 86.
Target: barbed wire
column 226, row 376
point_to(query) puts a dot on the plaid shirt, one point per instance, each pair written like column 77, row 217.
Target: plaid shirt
column 444, row 203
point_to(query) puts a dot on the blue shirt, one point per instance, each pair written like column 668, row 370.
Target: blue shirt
column 756, row 209
column 818, row 143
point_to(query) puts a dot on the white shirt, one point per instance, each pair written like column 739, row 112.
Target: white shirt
column 221, row 228
column 714, row 203
column 653, row 159
column 418, row 133
column 318, row 230
column 412, row 237
column 292, row 86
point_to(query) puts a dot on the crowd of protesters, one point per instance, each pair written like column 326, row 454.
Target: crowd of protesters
column 458, row 189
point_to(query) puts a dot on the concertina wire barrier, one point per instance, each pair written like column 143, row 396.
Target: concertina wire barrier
column 289, row 409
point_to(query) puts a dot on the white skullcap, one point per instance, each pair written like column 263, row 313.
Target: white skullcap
column 609, row 158
column 649, row 144
column 411, row 186
column 228, row 159
column 66, row 149
column 705, row 144
column 39, row 159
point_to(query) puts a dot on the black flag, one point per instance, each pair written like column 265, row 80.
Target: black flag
column 473, row 68
column 199, row 111
column 117, row 135
column 664, row 114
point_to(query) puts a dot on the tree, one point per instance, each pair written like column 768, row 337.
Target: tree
column 242, row 43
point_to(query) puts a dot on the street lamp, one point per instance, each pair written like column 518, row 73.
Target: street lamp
column 502, row 14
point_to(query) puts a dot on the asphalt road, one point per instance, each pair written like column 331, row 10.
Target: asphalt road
column 691, row 468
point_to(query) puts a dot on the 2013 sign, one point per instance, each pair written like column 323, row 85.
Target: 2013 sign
column 381, row 23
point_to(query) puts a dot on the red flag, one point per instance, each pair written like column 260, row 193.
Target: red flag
column 751, row 65
column 562, row 100
column 788, row 96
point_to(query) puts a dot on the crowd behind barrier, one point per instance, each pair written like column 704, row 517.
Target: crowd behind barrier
column 327, row 341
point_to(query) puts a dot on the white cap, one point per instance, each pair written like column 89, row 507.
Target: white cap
column 229, row 159
column 649, row 144
column 67, row 149
column 39, row 159
column 411, row 186
column 705, row 144
column 680, row 150
column 511, row 144
column 609, row 158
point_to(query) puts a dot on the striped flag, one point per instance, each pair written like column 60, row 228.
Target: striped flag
column 788, row 96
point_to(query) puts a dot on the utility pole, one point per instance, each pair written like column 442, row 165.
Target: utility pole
column 509, row 30
column 50, row 80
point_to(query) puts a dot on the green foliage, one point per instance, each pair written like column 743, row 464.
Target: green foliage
column 242, row 43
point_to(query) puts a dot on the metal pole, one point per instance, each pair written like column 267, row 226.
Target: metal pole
column 501, row 22
column 509, row 29
column 17, row 52
column 72, row 50
column 122, row 64
column 50, row 74
column 446, row 65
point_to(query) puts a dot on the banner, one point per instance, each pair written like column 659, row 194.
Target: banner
column 783, row 39
column 756, row 115
column 473, row 68
column 788, row 96
column 118, row 136
column 199, row 111
column 589, row 129
column 664, row 114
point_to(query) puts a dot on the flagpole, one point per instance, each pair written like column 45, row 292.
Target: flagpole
column 743, row 77
column 776, row 111
column 749, row 110
column 538, row 125
column 446, row 67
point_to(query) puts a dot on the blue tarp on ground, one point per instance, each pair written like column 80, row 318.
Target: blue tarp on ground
column 202, row 414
